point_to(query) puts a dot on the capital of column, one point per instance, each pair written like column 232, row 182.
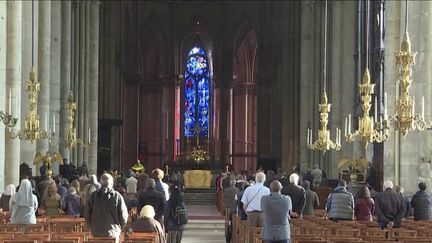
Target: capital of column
column 223, row 81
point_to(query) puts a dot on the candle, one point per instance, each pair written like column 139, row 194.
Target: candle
column 422, row 107
column 166, row 168
column 346, row 126
column 385, row 106
column 376, row 109
column 226, row 168
column 10, row 101
column 46, row 121
column 89, row 136
column 54, row 123
column 413, row 108
column 308, row 134
column 349, row 123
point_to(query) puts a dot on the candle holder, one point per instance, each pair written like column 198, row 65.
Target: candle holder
column 32, row 130
column 8, row 119
column 405, row 119
column 367, row 131
column 324, row 143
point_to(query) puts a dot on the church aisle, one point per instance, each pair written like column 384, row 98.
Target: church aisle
column 199, row 236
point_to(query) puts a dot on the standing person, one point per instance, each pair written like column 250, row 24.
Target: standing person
column 230, row 206
column 340, row 203
column 131, row 186
column 161, row 186
column 297, row 195
column 276, row 209
column 390, row 207
column 6, row 196
column 421, row 202
column 106, row 213
column 71, row 202
column 51, row 201
column 317, row 176
column 251, row 200
column 154, row 198
column 23, row 204
column 364, row 205
column 401, row 190
column 175, row 216
column 312, row 200
column 86, row 193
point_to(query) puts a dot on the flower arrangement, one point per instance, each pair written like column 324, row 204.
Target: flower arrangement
column 199, row 155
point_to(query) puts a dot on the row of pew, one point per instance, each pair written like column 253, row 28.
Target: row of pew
column 62, row 229
column 316, row 229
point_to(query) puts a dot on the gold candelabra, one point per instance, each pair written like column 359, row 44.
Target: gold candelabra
column 324, row 143
column 70, row 140
column 368, row 131
column 405, row 119
column 32, row 130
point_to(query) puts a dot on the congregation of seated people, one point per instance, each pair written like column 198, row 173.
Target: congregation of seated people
column 112, row 206
column 275, row 208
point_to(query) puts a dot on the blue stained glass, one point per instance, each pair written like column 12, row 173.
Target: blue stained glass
column 197, row 93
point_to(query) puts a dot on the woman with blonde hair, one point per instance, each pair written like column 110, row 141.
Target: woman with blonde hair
column 91, row 187
column 51, row 201
column 147, row 223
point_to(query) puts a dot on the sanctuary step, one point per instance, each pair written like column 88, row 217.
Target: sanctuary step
column 200, row 196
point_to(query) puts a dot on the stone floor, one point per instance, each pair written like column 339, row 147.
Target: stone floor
column 197, row 232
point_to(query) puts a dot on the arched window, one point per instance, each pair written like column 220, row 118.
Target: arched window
column 196, row 93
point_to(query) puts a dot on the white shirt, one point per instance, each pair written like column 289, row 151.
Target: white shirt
column 252, row 196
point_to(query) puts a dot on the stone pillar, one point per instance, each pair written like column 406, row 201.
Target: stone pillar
column 80, row 81
column 28, row 150
column 75, row 68
column 87, row 93
column 55, row 77
column 43, row 73
column 93, row 84
column 3, row 92
column 13, row 84
column 65, row 65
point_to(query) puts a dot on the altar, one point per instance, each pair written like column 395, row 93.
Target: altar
column 197, row 178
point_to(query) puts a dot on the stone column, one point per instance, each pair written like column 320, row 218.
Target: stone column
column 55, row 77
column 80, row 82
column 75, row 70
column 65, row 65
column 3, row 92
column 43, row 73
column 13, row 84
column 93, row 84
column 87, row 92
column 28, row 150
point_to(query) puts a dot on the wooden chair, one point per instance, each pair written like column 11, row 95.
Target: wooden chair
column 396, row 233
column 144, row 236
column 20, row 241
column 33, row 236
column 60, row 241
column 101, row 240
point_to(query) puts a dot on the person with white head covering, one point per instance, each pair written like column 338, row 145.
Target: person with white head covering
column 6, row 195
column 23, row 204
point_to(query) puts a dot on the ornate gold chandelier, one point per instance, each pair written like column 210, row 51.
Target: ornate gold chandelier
column 368, row 131
column 405, row 119
column 32, row 130
column 324, row 142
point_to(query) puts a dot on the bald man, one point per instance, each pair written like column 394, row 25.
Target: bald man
column 276, row 209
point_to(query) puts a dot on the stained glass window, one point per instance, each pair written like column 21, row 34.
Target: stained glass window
column 196, row 93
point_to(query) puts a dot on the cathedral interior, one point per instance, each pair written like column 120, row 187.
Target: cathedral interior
column 218, row 84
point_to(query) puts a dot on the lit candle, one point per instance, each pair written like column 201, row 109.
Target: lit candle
column 349, row 123
column 376, row 109
column 10, row 101
column 422, row 107
column 385, row 106
column 89, row 136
